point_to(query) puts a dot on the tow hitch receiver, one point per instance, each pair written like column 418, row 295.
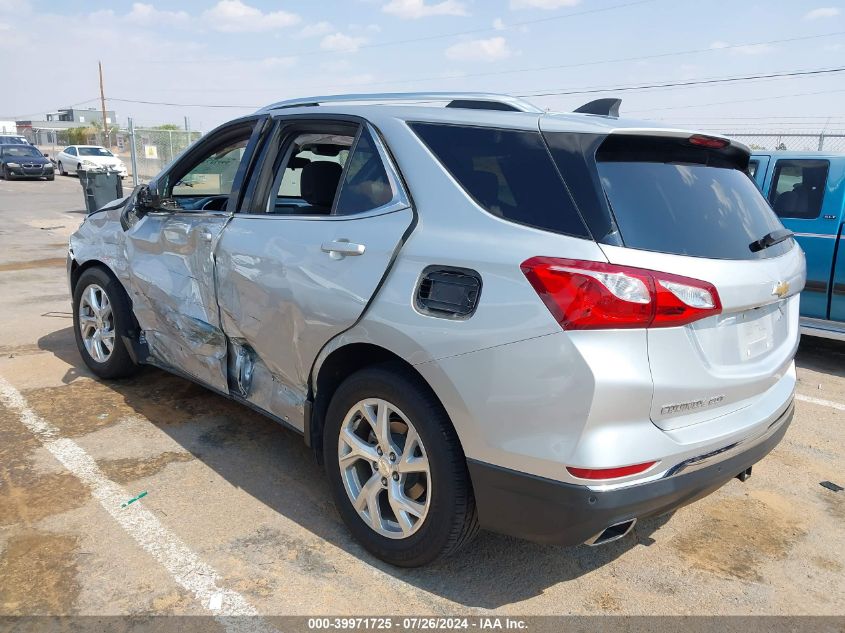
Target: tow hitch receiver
column 745, row 474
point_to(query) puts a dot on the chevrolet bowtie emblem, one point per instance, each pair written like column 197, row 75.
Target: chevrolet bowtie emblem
column 781, row 288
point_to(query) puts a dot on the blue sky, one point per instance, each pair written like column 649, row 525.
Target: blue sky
column 252, row 52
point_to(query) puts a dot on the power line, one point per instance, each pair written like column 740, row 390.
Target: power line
column 412, row 40
column 185, row 105
column 616, row 60
column 699, row 82
column 624, row 88
column 32, row 114
column 733, row 101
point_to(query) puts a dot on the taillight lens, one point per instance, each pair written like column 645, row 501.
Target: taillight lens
column 585, row 295
column 710, row 142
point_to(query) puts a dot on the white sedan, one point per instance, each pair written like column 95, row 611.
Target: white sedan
column 80, row 157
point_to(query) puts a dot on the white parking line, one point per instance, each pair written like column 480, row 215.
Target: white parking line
column 185, row 567
column 824, row 403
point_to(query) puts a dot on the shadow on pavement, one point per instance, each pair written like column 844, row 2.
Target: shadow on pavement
column 273, row 465
column 822, row 354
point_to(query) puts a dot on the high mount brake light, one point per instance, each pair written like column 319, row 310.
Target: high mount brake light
column 584, row 295
column 708, row 141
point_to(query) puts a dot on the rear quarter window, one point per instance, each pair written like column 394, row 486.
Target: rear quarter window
column 508, row 173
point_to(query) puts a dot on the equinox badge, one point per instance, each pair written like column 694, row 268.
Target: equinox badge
column 667, row 409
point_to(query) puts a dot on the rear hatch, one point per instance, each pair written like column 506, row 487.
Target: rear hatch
column 683, row 204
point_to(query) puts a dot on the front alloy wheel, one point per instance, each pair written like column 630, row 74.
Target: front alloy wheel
column 96, row 323
column 384, row 467
column 102, row 319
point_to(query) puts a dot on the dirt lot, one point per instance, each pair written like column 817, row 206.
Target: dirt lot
column 238, row 514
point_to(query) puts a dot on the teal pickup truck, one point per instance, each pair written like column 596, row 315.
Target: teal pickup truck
column 807, row 191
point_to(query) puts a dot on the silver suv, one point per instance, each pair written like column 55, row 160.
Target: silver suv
column 479, row 315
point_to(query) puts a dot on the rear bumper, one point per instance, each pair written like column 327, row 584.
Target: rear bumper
column 547, row 511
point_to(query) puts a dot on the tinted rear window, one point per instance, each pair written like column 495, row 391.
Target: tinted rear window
column 509, row 173
column 686, row 202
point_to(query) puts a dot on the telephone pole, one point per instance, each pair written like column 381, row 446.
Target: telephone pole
column 103, row 105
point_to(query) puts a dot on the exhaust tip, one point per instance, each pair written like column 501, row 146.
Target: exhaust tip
column 612, row 533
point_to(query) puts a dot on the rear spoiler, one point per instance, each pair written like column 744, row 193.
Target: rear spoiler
column 601, row 107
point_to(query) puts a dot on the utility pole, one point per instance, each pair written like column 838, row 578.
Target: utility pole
column 103, row 105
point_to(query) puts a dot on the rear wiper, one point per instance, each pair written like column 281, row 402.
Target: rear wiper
column 770, row 239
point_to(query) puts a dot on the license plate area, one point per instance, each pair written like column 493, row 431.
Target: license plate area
column 760, row 330
column 742, row 337
column 756, row 337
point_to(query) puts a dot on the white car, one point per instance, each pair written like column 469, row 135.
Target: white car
column 75, row 157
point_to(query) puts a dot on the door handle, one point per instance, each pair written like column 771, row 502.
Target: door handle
column 342, row 248
column 206, row 235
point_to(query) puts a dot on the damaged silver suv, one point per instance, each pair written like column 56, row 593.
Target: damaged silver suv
column 478, row 315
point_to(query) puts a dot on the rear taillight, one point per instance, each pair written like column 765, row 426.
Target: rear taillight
column 585, row 295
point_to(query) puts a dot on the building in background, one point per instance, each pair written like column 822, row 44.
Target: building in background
column 48, row 131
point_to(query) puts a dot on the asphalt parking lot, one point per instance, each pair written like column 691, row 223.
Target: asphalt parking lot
column 237, row 515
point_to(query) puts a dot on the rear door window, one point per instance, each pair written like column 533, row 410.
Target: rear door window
column 671, row 198
column 798, row 188
column 509, row 173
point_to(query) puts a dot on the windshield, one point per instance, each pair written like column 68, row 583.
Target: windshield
column 94, row 151
column 22, row 151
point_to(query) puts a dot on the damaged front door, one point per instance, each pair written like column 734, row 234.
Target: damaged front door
column 170, row 252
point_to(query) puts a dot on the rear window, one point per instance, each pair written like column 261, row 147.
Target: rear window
column 509, row 173
column 674, row 199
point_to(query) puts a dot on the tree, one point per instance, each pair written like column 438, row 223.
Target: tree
column 78, row 135
column 167, row 126
column 111, row 131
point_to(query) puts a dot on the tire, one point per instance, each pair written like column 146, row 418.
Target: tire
column 78, row 167
column 119, row 320
column 450, row 520
column 51, row 177
column 62, row 171
column 8, row 175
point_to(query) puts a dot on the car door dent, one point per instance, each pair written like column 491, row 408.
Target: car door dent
column 176, row 309
column 284, row 300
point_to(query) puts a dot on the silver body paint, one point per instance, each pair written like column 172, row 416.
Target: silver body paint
column 521, row 393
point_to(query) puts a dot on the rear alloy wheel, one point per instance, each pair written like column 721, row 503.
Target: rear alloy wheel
column 382, row 459
column 396, row 468
column 101, row 314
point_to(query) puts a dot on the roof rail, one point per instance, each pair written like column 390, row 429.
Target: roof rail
column 455, row 99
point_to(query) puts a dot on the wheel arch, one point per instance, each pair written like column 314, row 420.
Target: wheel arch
column 76, row 270
column 338, row 365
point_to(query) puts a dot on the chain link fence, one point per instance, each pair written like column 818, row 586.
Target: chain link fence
column 791, row 141
column 154, row 149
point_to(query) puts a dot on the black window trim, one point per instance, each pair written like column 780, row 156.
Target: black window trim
column 776, row 174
